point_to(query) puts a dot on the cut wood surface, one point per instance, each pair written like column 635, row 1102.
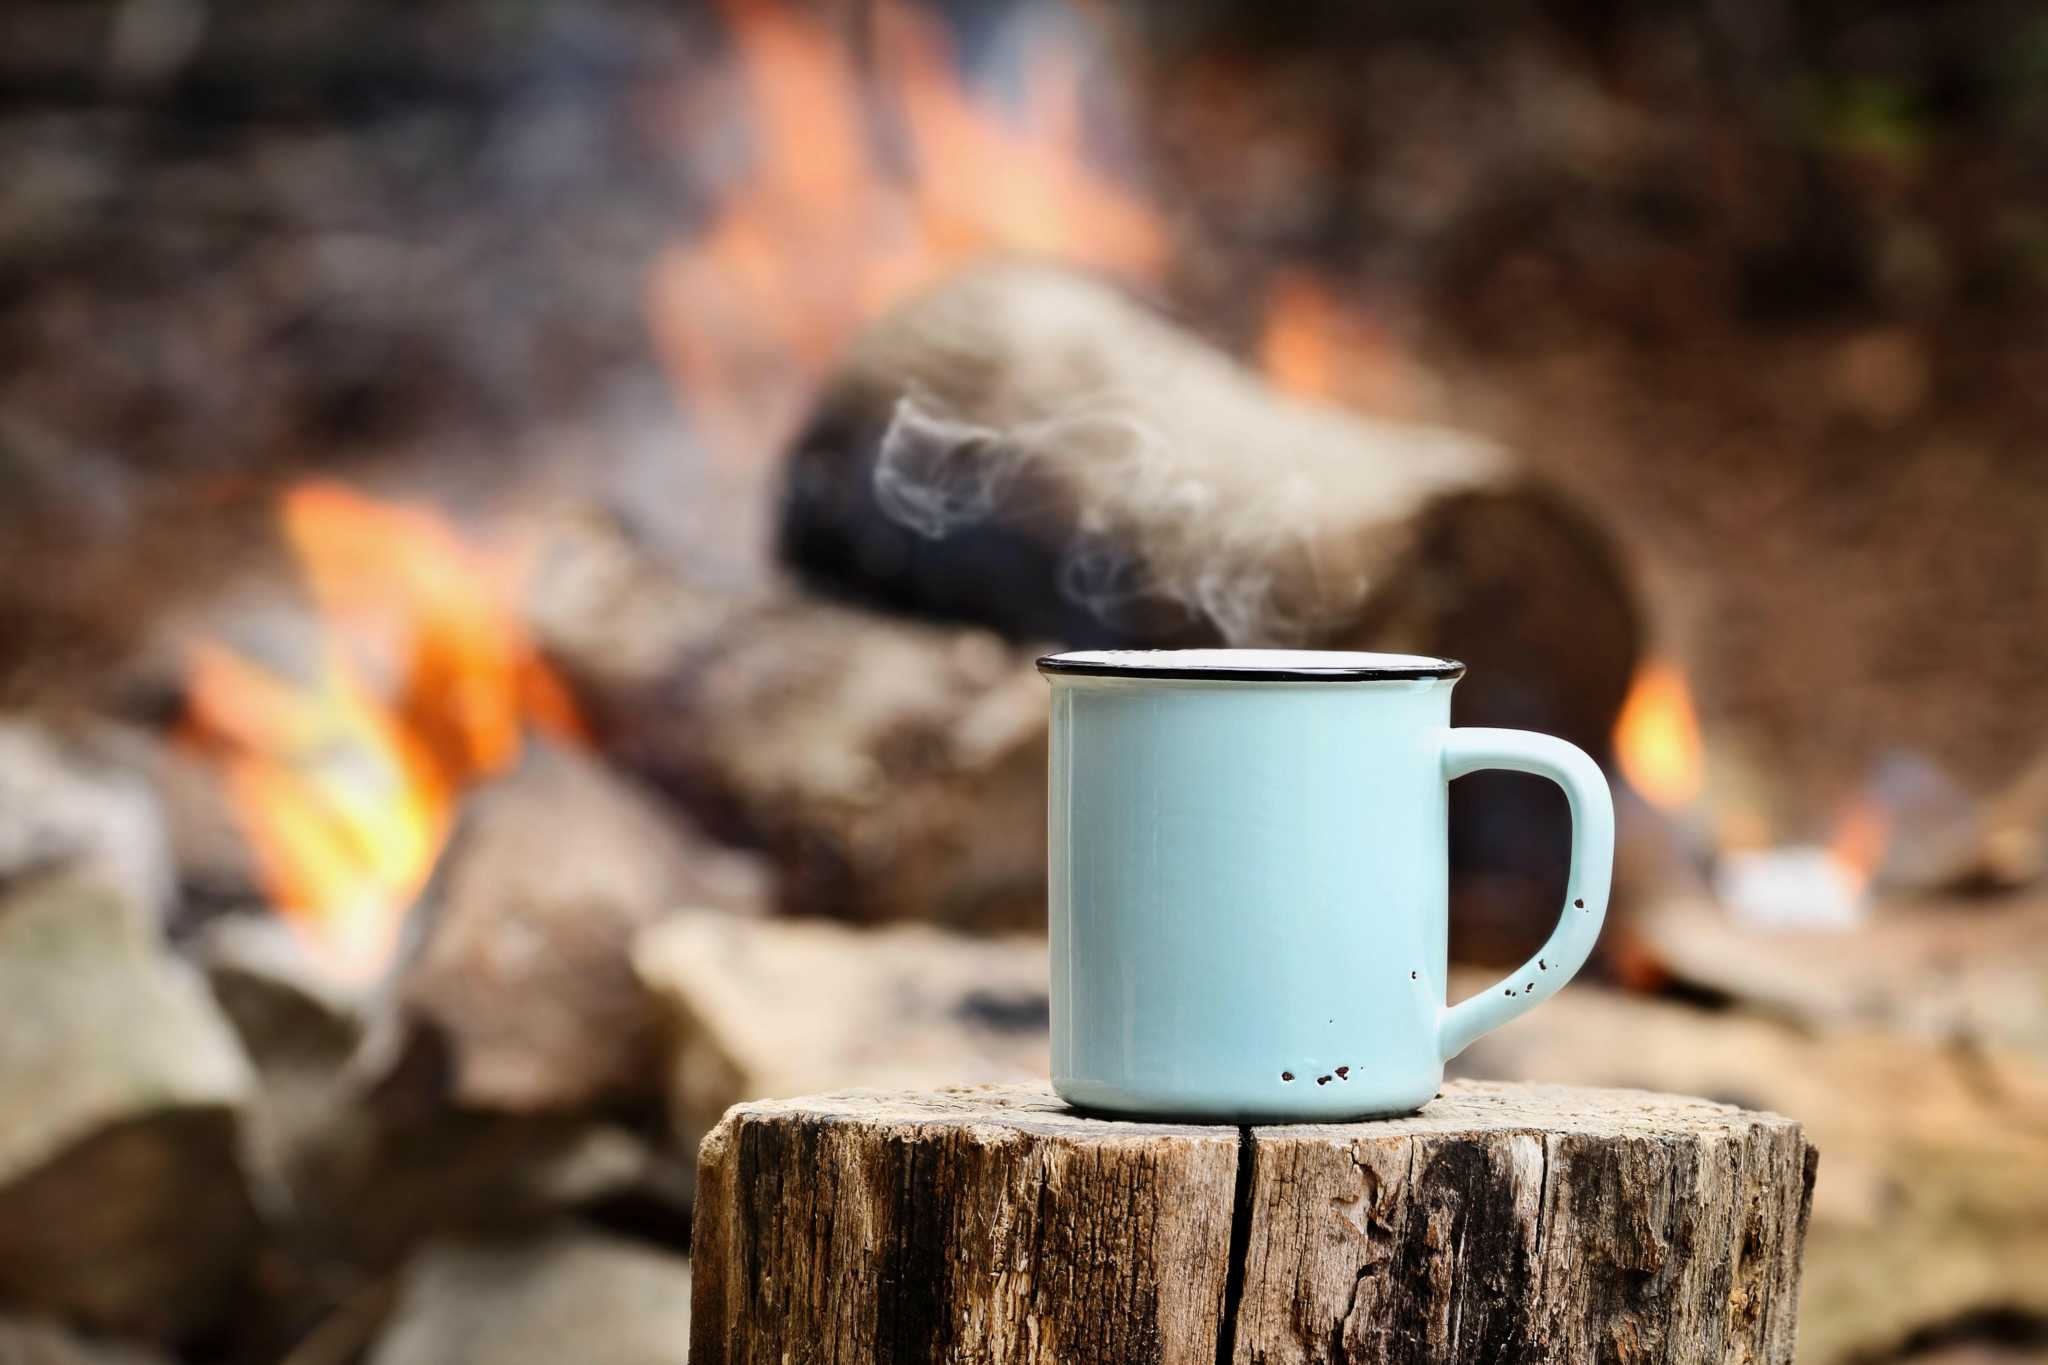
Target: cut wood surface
column 1504, row 1222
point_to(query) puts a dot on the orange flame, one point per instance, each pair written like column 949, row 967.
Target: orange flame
column 1298, row 349
column 1657, row 738
column 1314, row 345
column 347, row 797
column 1859, row 840
column 827, row 231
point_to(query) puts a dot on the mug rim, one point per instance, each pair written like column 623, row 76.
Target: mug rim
column 1248, row 665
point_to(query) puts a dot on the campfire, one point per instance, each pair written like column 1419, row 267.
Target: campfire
column 1657, row 738
column 423, row 683
column 657, row 444
column 869, row 174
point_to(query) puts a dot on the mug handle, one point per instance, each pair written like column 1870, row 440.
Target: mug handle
column 1585, row 896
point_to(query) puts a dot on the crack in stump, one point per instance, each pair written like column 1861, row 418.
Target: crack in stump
column 1240, row 1250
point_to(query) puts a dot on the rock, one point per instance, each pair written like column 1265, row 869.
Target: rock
column 1938, row 972
column 124, row 1202
column 509, row 1068
column 30, row 1342
column 2031, row 1349
column 213, row 858
column 286, row 1007
column 358, row 1164
column 60, row 804
column 299, row 1026
column 568, row 1296
column 1941, row 838
column 519, row 954
column 774, row 1008
column 1932, row 1199
column 381, row 1176
column 891, row 770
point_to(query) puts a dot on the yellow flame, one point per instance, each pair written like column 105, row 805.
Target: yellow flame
column 1657, row 738
column 829, row 227
column 1859, row 838
column 346, row 793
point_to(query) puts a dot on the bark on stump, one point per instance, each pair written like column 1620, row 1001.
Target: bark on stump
column 1503, row 1223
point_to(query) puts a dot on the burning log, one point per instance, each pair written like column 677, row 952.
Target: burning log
column 1528, row 1223
column 124, row 1202
column 775, row 1008
column 1025, row 450
column 892, row 770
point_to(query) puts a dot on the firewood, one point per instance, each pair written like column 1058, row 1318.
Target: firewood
column 1025, row 449
column 124, row 1201
column 1502, row 1223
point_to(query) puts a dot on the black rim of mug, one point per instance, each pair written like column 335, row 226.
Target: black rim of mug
column 1158, row 663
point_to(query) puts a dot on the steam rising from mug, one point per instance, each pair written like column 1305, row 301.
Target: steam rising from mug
column 1145, row 524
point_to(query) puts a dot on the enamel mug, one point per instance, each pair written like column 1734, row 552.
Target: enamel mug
column 1249, row 881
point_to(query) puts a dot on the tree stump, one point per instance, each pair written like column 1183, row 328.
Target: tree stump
column 1503, row 1223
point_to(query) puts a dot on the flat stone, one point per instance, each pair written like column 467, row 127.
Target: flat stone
column 766, row 1008
column 520, row 958
column 33, row 1342
column 566, row 1296
column 123, row 1197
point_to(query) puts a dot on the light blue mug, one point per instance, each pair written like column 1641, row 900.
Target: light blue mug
column 1249, row 899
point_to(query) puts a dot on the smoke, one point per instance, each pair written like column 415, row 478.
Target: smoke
column 1145, row 524
column 935, row 474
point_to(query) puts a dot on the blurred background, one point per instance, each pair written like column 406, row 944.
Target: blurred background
column 525, row 528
